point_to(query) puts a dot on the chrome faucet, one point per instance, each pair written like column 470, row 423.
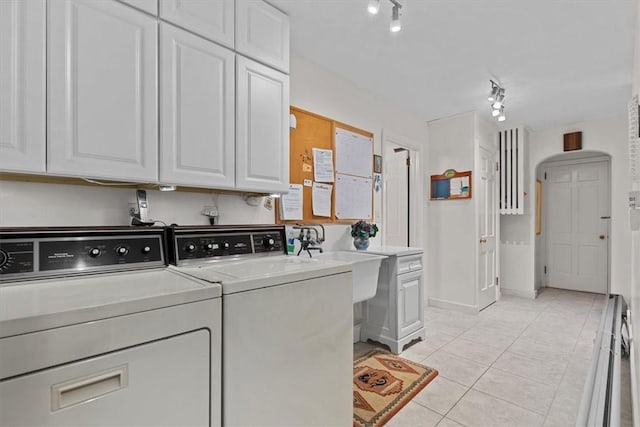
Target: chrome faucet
column 307, row 242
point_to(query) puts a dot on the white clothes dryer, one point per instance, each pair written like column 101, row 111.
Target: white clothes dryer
column 287, row 326
column 96, row 331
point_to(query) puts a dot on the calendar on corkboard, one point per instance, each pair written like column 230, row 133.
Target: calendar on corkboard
column 330, row 172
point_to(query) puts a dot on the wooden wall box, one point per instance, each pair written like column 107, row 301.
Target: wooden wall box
column 573, row 141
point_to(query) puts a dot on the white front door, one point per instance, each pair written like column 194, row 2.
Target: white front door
column 396, row 187
column 487, row 208
column 577, row 207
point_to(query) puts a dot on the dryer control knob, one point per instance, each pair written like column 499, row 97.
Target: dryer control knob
column 209, row 246
column 190, row 247
column 94, row 252
column 268, row 242
column 122, row 250
column 146, row 250
column 225, row 245
column 4, row 258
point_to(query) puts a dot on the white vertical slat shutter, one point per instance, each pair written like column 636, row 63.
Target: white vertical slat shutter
column 511, row 171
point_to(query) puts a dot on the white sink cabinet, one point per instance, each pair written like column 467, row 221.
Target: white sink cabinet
column 395, row 316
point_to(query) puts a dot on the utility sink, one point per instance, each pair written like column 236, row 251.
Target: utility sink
column 365, row 268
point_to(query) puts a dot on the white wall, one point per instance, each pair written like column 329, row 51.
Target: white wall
column 322, row 92
column 608, row 136
column 43, row 204
column 636, row 59
column 451, row 248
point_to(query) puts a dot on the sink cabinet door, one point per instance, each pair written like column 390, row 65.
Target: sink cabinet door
column 410, row 303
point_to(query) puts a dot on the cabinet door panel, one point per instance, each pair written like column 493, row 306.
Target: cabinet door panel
column 410, row 303
column 262, row 127
column 22, row 85
column 197, row 101
column 213, row 19
column 262, row 33
column 149, row 6
column 102, row 119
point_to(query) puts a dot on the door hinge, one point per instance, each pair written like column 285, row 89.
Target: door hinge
column 545, row 176
column 408, row 162
column 497, row 166
column 545, row 269
column 497, row 281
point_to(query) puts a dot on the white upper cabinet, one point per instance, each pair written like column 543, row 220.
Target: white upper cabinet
column 149, row 6
column 22, row 85
column 197, row 93
column 262, row 33
column 213, row 19
column 102, row 84
column 262, row 127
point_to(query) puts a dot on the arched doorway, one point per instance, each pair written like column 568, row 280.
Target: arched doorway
column 573, row 244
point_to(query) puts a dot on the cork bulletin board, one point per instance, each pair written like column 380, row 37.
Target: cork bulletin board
column 351, row 151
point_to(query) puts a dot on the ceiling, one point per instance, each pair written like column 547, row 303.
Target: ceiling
column 561, row 61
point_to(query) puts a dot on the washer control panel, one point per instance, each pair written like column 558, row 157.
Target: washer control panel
column 219, row 242
column 44, row 254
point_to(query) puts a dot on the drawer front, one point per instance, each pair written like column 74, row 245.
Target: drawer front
column 409, row 263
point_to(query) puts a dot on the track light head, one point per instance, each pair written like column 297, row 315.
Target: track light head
column 396, row 25
column 502, row 117
column 374, row 7
column 494, row 91
column 495, row 113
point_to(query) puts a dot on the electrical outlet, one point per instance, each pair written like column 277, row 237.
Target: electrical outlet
column 209, row 211
column 133, row 209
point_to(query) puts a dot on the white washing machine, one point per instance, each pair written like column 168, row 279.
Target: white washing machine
column 96, row 331
column 287, row 326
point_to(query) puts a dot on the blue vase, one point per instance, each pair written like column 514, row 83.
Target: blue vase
column 361, row 243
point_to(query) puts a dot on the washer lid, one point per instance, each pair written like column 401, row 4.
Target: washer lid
column 248, row 274
column 44, row 304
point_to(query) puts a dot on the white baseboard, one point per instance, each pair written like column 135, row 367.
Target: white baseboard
column 356, row 332
column 450, row 305
column 531, row 294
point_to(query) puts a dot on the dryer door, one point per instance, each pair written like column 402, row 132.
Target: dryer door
column 162, row 383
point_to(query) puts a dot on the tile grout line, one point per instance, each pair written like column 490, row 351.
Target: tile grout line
column 567, row 368
column 483, row 373
column 547, row 308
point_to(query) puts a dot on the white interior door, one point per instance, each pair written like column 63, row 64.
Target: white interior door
column 488, row 215
column 577, row 199
column 396, row 188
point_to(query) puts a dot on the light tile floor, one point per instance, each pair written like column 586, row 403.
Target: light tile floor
column 520, row 362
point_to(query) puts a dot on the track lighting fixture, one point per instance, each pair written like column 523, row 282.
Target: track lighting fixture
column 374, row 7
column 499, row 98
column 496, row 100
column 395, row 26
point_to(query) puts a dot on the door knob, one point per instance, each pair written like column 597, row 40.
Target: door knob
column 483, row 240
column 601, row 237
